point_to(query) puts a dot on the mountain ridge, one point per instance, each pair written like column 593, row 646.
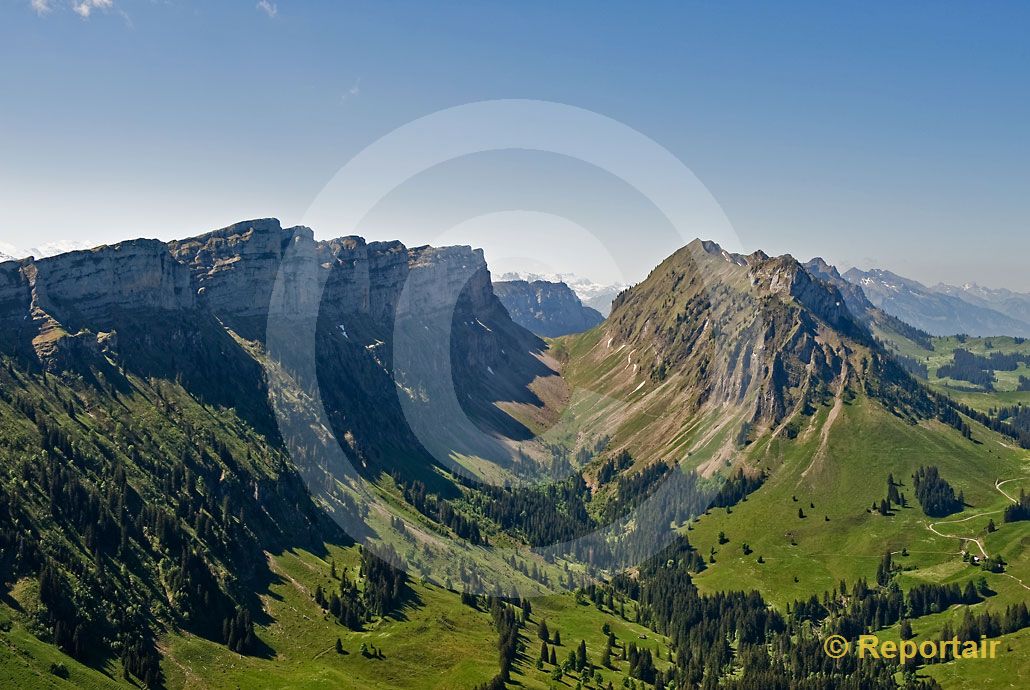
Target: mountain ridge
column 549, row 309
column 936, row 312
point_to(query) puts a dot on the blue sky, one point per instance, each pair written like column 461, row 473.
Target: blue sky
column 883, row 134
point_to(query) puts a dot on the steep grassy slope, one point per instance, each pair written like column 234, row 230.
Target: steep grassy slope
column 812, row 554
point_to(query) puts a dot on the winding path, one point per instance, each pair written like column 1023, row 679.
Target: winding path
column 979, row 540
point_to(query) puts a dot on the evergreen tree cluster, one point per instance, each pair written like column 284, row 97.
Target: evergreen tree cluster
column 440, row 510
column 1020, row 510
column 736, row 488
column 935, row 495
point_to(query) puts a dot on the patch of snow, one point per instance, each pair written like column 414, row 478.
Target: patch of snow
column 344, row 331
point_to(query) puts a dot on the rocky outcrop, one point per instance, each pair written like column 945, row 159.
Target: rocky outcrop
column 85, row 288
column 545, row 308
column 15, row 301
column 364, row 278
column 234, row 269
column 785, row 276
column 15, row 292
column 439, row 275
column 234, row 272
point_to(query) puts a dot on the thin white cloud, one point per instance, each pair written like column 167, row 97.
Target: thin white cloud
column 84, row 8
column 269, row 8
column 41, row 7
column 353, row 90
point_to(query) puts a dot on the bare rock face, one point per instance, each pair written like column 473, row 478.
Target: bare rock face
column 234, row 269
column 439, row 275
column 15, row 292
column 85, row 287
column 364, row 278
column 785, row 276
column 15, row 301
column 545, row 308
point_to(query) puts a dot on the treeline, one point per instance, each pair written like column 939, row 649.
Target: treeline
column 737, row 487
column 1016, row 417
column 543, row 515
column 911, row 365
column 935, row 495
column 976, row 626
column 507, row 624
column 441, row 511
column 1020, row 510
column 771, row 651
column 632, row 489
column 1013, row 422
column 613, row 466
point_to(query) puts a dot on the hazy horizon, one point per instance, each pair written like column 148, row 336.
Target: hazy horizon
column 606, row 274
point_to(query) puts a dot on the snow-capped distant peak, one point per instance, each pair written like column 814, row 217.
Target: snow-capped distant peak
column 9, row 252
column 584, row 288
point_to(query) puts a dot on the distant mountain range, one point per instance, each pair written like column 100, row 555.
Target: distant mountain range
column 9, row 252
column 549, row 309
column 946, row 309
column 595, row 295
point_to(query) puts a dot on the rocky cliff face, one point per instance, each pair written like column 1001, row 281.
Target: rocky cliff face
column 234, row 271
column 548, row 309
column 85, row 288
column 166, row 309
column 15, row 301
column 751, row 343
column 89, row 289
column 15, row 292
column 785, row 276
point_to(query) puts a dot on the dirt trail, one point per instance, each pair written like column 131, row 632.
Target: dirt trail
column 998, row 484
column 979, row 540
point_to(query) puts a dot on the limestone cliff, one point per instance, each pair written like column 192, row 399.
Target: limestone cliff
column 548, row 309
column 179, row 309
